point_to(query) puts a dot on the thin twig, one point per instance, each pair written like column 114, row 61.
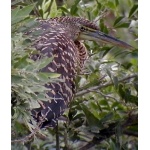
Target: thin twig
column 57, row 137
column 66, row 139
column 99, row 80
column 104, row 95
column 42, row 136
column 82, row 92
column 102, row 14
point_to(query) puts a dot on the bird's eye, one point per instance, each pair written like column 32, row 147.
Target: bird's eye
column 82, row 29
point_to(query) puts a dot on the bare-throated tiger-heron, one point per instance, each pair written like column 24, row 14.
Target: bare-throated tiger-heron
column 61, row 38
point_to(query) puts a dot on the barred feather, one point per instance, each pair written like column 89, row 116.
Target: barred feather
column 57, row 37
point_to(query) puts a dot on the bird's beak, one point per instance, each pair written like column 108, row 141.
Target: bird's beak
column 98, row 36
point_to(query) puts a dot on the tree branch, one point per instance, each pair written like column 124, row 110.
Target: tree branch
column 130, row 133
column 82, row 92
column 28, row 137
column 111, row 130
column 104, row 95
column 57, row 137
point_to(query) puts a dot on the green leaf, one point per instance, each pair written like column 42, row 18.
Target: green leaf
column 133, row 99
column 53, row 11
column 64, row 9
column 123, row 25
column 94, row 78
column 21, row 62
column 42, row 97
column 28, row 90
column 103, row 27
column 45, row 76
column 40, row 64
column 16, row 78
column 115, row 81
column 127, row 95
column 45, row 5
column 26, row 10
column 39, row 88
column 113, row 146
column 74, row 7
column 107, row 49
column 54, row 75
column 20, row 14
column 34, row 104
column 111, row 5
column 20, row 127
column 99, row 5
column 14, row 12
column 41, row 12
column 121, row 91
column 103, row 102
column 91, row 119
column 15, row 3
column 27, row 25
column 127, row 65
column 118, row 20
column 109, row 73
column 133, row 10
column 115, row 104
column 116, row 2
column 135, row 86
column 107, row 117
column 76, row 2
column 94, row 106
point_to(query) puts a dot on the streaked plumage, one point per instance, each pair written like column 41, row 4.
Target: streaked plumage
column 60, row 37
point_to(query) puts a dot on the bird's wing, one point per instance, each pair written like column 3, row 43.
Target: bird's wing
column 64, row 51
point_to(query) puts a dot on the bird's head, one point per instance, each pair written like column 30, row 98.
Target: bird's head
column 83, row 29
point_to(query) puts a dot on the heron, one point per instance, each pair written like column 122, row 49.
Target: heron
column 61, row 38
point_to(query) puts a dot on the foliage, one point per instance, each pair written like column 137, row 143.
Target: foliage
column 103, row 114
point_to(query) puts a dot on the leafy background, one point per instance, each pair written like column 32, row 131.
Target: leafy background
column 103, row 114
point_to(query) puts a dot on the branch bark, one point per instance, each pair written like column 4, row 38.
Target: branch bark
column 91, row 89
column 111, row 130
column 57, row 137
column 30, row 136
column 26, row 138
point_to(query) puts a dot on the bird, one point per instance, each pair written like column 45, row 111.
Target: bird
column 62, row 38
